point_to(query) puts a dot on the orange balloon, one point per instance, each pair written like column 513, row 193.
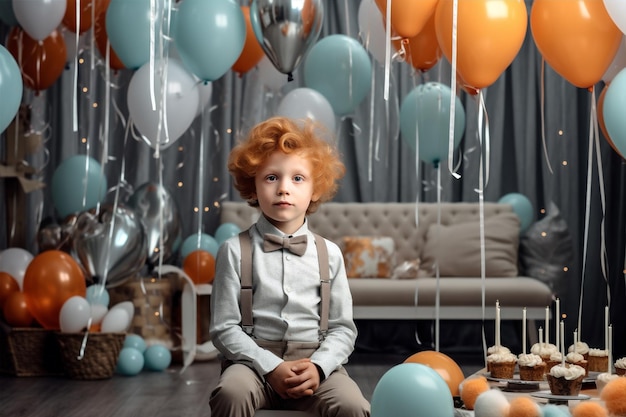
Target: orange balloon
column 490, row 33
column 252, row 51
column 200, row 266
column 8, row 285
column 448, row 369
column 577, row 38
column 16, row 312
column 599, row 109
column 51, row 278
column 69, row 19
column 408, row 17
column 423, row 50
column 41, row 62
column 100, row 33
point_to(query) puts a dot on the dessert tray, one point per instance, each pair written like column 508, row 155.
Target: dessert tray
column 515, row 383
column 559, row 399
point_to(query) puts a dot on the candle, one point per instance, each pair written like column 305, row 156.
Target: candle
column 562, row 343
column 606, row 327
column 547, row 331
column 610, row 330
column 540, row 336
column 524, row 331
column 558, row 317
column 497, row 323
column 575, row 339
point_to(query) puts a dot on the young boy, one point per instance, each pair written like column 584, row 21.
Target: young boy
column 283, row 338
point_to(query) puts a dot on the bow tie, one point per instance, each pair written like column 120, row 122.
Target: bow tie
column 296, row 244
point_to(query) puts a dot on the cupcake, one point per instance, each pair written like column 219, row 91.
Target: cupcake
column 580, row 347
column 502, row 365
column 604, row 379
column 574, row 358
column 620, row 366
column 565, row 380
column 598, row 360
column 545, row 350
column 531, row 367
column 496, row 349
column 556, row 358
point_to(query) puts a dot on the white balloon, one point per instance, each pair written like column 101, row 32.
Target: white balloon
column 617, row 11
column 15, row 261
column 372, row 30
column 115, row 321
column 303, row 103
column 39, row 18
column 74, row 315
column 126, row 306
column 98, row 311
column 180, row 105
column 270, row 76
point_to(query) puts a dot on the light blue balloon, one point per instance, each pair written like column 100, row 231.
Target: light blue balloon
column 6, row 13
column 209, row 36
column 412, row 390
column 10, row 88
column 340, row 69
column 98, row 294
column 199, row 241
column 157, row 358
column 130, row 361
column 225, row 231
column 78, row 184
column 128, row 30
column 425, row 119
column 613, row 111
column 522, row 207
column 135, row 341
column 552, row 410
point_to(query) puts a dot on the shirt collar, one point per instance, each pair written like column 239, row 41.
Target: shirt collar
column 264, row 226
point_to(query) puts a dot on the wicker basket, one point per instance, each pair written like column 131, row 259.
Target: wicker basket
column 26, row 351
column 99, row 359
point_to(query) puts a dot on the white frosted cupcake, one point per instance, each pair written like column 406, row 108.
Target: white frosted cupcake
column 604, row 379
column 496, row 350
column 544, row 350
column 620, row 366
column 531, row 367
column 502, row 365
column 581, row 347
column 565, row 380
column 598, row 360
column 574, row 358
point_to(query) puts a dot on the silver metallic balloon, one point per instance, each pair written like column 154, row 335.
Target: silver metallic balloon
column 286, row 29
column 157, row 210
column 110, row 246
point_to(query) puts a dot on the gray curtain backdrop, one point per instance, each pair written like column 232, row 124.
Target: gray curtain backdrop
column 381, row 167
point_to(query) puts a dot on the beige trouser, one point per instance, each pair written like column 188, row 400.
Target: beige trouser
column 241, row 391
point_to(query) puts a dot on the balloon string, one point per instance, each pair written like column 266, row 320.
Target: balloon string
column 152, row 61
column 201, row 166
column 75, row 78
column 371, row 126
column 455, row 174
column 387, row 50
column 486, row 142
column 542, row 102
column 437, row 274
column 603, row 251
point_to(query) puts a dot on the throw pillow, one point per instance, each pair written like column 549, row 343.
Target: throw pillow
column 456, row 248
column 368, row 256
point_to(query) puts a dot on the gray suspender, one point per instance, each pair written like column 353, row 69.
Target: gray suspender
column 246, row 283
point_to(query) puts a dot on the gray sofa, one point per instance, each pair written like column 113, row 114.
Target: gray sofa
column 447, row 234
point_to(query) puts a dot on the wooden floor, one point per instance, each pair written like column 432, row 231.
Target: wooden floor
column 155, row 394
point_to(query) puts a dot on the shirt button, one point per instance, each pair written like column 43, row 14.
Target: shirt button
column 288, row 257
column 287, row 290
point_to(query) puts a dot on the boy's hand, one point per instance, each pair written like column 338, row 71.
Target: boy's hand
column 294, row 379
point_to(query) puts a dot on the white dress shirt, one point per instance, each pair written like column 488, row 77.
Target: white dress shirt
column 286, row 302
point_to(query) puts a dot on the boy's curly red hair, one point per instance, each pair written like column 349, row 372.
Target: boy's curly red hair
column 281, row 134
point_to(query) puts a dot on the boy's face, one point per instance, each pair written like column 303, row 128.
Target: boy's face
column 284, row 189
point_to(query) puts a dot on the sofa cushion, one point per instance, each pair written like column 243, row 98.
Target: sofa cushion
column 456, row 248
column 368, row 256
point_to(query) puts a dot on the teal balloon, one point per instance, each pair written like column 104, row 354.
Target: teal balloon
column 135, row 341
column 98, row 294
column 129, row 362
column 613, row 111
column 6, row 13
column 10, row 88
column 412, row 390
column 78, row 184
column 522, row 207
column 225, row 231
column 339, row 67
column 201, row 241
column 128, row 29
column 209, row 36
column 157, row 358
column 425, row 120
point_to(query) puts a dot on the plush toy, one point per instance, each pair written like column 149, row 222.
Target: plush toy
column 589, row 409
column 471, row 388
column 552, row 410
column 614, row 396
column 524, row 407
column 491, row 403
